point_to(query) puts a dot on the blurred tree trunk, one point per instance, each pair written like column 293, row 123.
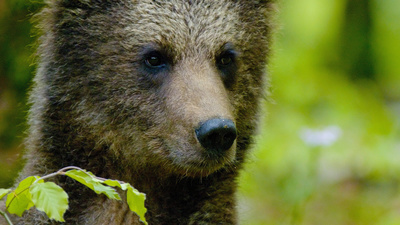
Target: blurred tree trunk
column 356, row 49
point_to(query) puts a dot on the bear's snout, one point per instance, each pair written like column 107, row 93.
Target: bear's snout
column 216, row 135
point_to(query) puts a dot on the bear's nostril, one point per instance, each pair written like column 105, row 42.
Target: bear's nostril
column 217, row 135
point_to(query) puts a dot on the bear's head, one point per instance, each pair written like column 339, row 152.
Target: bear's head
column 172, row 85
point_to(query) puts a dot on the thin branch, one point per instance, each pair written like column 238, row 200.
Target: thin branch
column 61, row 172
column 4, row 214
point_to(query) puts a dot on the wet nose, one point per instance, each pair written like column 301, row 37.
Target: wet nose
column 216, row 135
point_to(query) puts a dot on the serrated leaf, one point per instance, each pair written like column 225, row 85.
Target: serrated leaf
column 135, row 200
column 93, row 183
column 4, row 192
column 20, row 199
column 51, row 199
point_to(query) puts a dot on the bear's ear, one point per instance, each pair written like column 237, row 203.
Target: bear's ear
column 260, row 2
column 70, row 4
column 256, row 3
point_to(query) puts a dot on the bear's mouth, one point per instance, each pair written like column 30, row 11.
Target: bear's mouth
column 200, row 163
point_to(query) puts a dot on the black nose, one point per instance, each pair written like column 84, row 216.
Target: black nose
column 216, row 135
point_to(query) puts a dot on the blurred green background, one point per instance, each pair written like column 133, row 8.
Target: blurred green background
column 328, row 150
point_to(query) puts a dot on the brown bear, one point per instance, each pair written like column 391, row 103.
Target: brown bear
column 163, row 94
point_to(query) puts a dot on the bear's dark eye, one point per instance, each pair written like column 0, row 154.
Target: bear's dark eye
column 155, row 66
column 154, row 60
column 225, row 60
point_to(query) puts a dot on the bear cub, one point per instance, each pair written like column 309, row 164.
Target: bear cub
column 161, row 94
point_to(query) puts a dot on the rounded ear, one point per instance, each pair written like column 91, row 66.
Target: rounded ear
column 257, row 3
column 85, row 3
column 263, row 1
column 73, row 3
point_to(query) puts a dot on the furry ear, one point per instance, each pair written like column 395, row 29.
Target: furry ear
column 71, row 4
column 263, row 1
column 256, row 3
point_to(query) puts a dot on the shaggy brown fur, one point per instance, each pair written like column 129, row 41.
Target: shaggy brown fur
column 96, row 105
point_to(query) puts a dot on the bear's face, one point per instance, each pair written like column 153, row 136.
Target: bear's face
column 163, row 79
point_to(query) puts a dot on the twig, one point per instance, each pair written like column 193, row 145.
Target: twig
column 60, row 172
column 4, row 214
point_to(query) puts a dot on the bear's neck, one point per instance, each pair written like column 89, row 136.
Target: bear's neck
column 170, row 199
column 177, row 200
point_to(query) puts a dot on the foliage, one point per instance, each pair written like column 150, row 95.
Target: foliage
column 352, row 180
column 16, row 51
column 53, row 200
column 50, row 198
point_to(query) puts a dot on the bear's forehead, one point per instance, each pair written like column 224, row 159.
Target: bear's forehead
column 189, row 26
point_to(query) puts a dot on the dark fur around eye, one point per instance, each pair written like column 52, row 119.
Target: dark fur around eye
column 226, row 63
column 155, row 65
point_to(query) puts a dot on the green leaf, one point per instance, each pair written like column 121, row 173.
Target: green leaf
column 20, row 199
column 3, row 192
column 51, row 199
column 93, row 183
column 135, row 200
column 116, row 183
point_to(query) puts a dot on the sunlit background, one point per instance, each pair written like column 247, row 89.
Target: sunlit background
column 328, row 151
